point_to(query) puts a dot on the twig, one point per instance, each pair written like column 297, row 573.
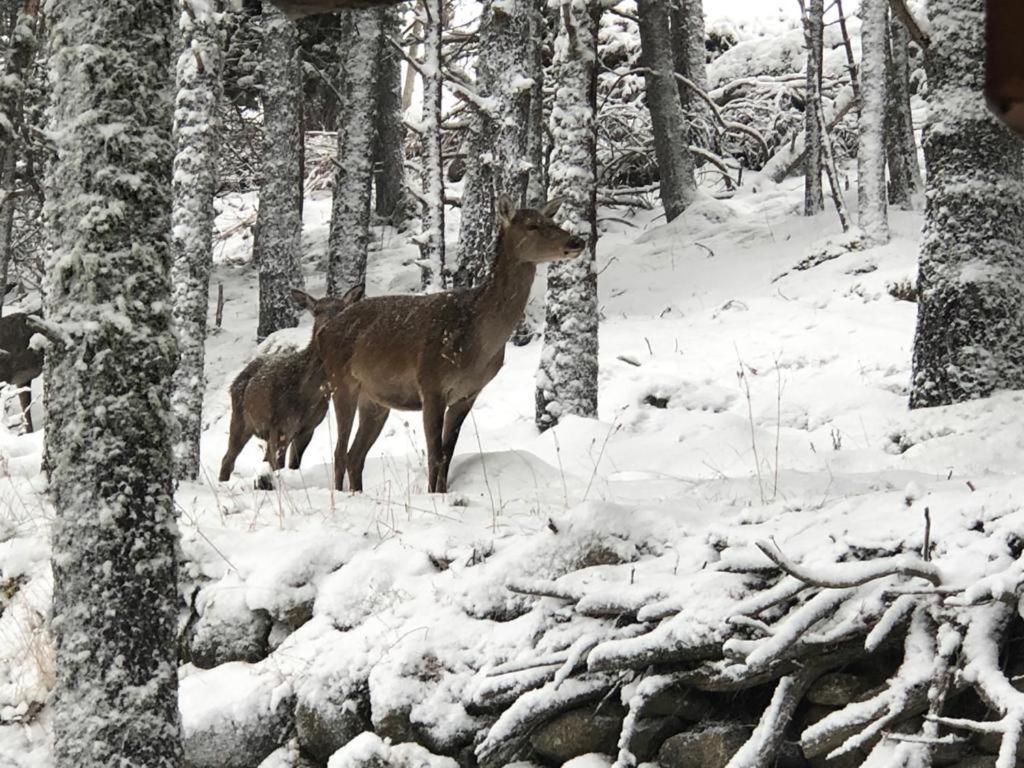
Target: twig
column 856, row 573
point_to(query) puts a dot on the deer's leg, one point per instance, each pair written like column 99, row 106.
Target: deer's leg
column 433, row 425
column 372, row 418
column 274, row 450
column 453, row 420
column 238, row 436
column 344, row 413
column 299, row 446
column 25, row 396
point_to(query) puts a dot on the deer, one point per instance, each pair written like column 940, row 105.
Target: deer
column 433, row 352
column 19, row 362
column 282, row 397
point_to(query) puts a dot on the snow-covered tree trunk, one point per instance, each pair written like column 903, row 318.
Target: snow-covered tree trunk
column 567, row 379
column 12, row 91
column 901, row 148
column 432, row 250
column 506, row 63
column 970, row 322
column 391, row 198
column 195, row 183
column 115, row 598
column 349, row 236
column 813, row 33
column 475, row 248
column 690, row 53
column 278, row 241
column 537, row 186
column 872, row 197
column 671, row 132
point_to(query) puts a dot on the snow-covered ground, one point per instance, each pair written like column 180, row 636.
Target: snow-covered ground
column 736, row 406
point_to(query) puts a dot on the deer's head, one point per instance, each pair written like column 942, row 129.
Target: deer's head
column 328, row 306
column 533, row 234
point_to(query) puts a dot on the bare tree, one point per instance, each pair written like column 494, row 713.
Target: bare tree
column 432, row 248
column 278, row 237
column 671, row 132
column 115, row 594
column 813, row 33
column 872, row 215
column 349, row 237
column 901, row 148
column 970, row 323
column 195, row 182
column 567, row 379
column 690, row 53
column 389, row 180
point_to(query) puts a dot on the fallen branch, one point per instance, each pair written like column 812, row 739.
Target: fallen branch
column 846, row 575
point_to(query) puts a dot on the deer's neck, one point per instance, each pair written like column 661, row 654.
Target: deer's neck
column 313, row 376
column 501, row 298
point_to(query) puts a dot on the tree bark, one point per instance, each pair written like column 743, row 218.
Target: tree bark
column 690, row 54
column 814, row 202
column 671, row 147
column 12, row 94
column 349, row 237
column 432, row 247
column 195, row 184
column 567, row 379
column 391, row 198
column 537, row 186
column 115, row 598
column 901, row 148
column 477, row 231
column 872, row 198
column 278, row 239
column 970, row 325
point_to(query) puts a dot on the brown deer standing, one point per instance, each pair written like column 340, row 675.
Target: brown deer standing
column 19, row 363
column 282, row 397
column 433, row 352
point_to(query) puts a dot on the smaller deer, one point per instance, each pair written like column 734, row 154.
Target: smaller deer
column 282, row 397
column 433, row 353
column 19, row 363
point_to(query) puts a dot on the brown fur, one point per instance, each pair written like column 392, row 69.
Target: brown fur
column 19, row 364
column 281, row 398
column 434, row 352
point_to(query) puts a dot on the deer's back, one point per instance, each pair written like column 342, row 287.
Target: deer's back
column 20, row 364
column 275, row 391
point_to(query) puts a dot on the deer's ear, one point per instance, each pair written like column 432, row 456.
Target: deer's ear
column 303, row 299
column 551, row 207
column 506, row 209
column 352, row 295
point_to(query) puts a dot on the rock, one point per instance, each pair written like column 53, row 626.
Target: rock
column 323, row 725
column 287, row 756
column 578, row 732
column 368, row 750
column 226, row 629
column 394, row 725
column 684, row 703
column 650, row 733
column 989, row 744
column 709, row 746
column 234, row 716
column 835, row 689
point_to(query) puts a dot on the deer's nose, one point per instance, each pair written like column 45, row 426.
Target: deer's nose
column 576, row 243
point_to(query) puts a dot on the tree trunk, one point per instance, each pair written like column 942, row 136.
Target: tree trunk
column 690, row 55
column 195, row 184
column 537, row 186
column 115, row 592
column 12, row 92
column 506, row 62
column 279, row 222
column 872, row 215
column 970, row 324
column 349, row 237
column 432, row 248
column 476, row 233
column 814, row 202
column 567, row 379
column 671, row 147
column 389, row 182
column 901, row 148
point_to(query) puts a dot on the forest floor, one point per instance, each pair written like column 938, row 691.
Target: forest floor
column 734, row 407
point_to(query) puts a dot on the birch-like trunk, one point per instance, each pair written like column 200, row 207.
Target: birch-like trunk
column 671, row 131
column 278, row 240
column 432, row 249
column 349, row 237
column 567, row 379
column 970, row 323
column 194, row 186
column 115, row 592
column 814, row 26
column 872, row 197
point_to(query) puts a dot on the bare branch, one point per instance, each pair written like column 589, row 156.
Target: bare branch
column 854, row 574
